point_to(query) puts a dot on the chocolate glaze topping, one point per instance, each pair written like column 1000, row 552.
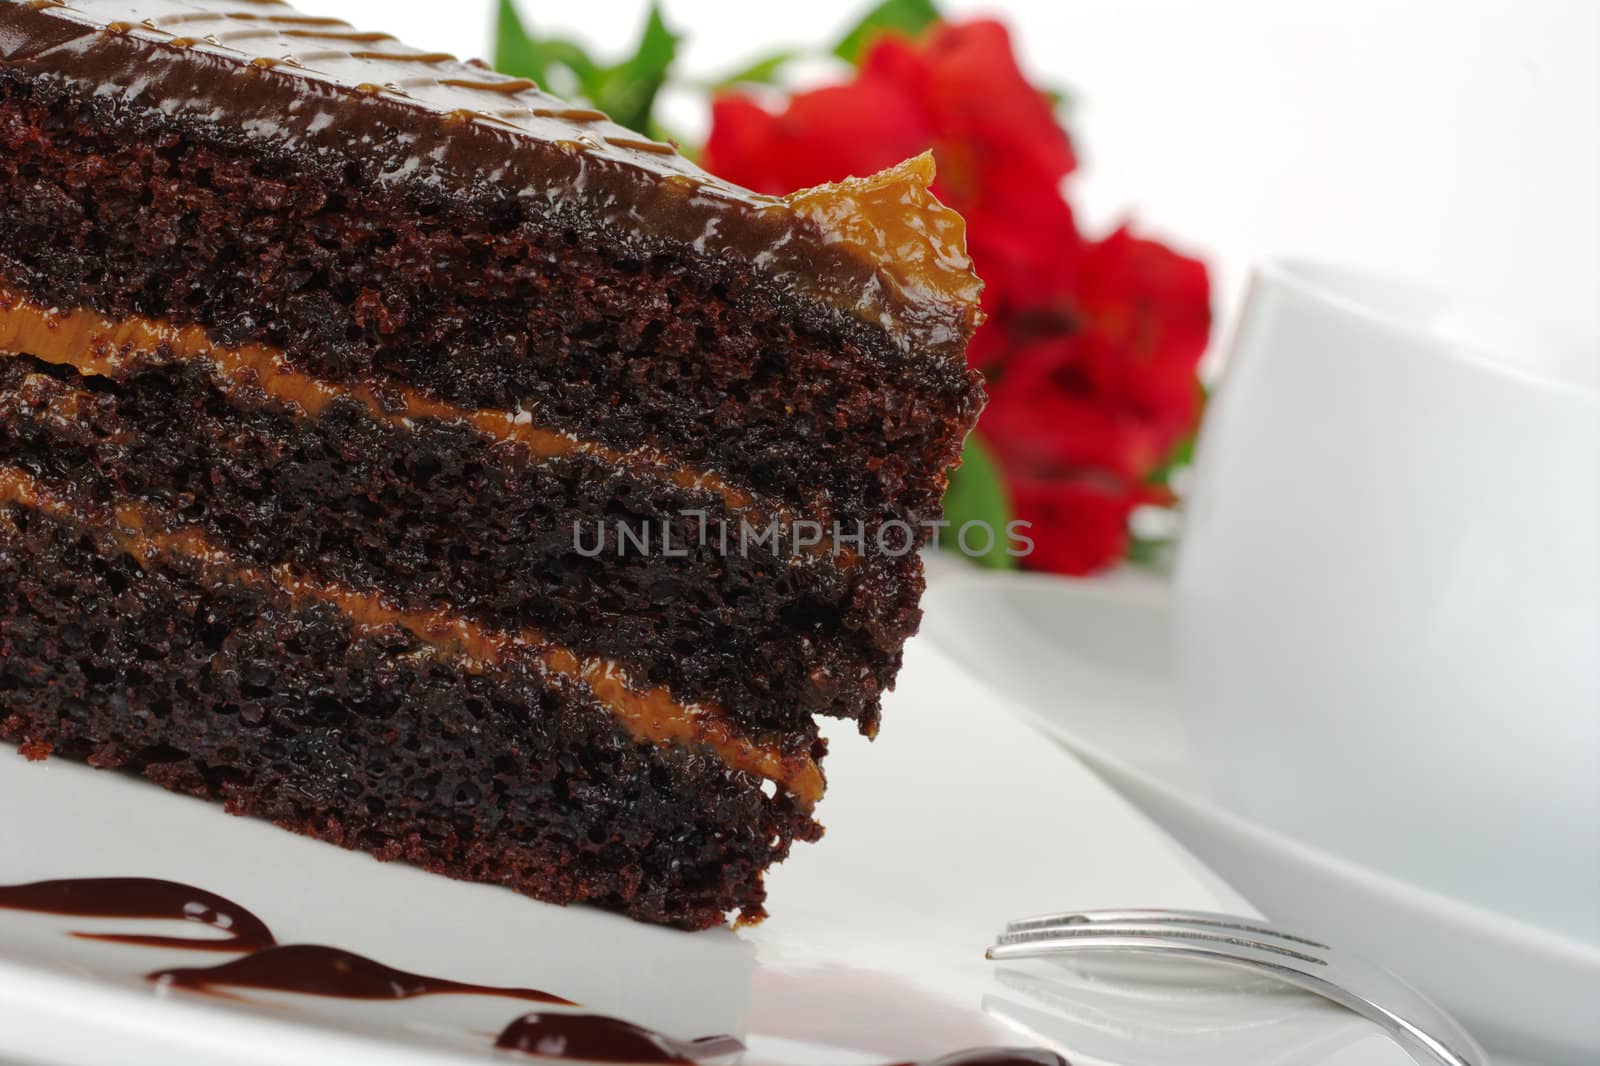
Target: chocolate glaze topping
column 880, row 248
column 315, row 970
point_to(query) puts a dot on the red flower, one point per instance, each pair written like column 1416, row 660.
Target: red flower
column 1090, row 347
column 822, row 136
column 1080, row 419
column 1077, row 526
column 1000, row 152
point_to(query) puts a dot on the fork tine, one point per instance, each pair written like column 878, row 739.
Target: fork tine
column 1070, row 919
column 1027, row 942
column 1428, row 1032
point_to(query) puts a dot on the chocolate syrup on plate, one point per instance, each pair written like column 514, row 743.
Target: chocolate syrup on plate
column 307, row 968
column 315, row 970
column 997, row 1056
column 596, row 1038
column 143, row 898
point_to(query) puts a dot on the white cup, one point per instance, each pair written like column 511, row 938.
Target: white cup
column 1388, row 590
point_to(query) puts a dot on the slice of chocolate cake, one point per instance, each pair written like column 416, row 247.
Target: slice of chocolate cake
column 394, row 451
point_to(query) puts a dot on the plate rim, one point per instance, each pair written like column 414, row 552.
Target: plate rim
column 1162, row 799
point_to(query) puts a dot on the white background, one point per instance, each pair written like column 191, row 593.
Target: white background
column 1456, row 143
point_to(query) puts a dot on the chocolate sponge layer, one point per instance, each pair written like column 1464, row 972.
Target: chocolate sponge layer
column 366, row 738
column 434, row 514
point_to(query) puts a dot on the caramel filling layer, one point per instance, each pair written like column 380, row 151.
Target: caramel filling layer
column 97, row 345
column 651, row 715
column 100, row 346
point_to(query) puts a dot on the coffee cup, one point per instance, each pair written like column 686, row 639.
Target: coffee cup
column 1388, row 589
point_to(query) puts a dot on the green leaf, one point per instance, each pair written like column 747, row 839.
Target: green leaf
column 1150, row 553
column 627, row 92
column 1183, row 452
column 515, row 51
column 523, row 54
column 977, row 493
column 1155, row 552
column 763, row 71
column 909, row 17
column 1059, row 100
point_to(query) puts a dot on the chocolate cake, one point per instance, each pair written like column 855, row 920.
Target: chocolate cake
column 394, row 451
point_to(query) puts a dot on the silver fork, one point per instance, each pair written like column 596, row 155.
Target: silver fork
column 1430, row 1035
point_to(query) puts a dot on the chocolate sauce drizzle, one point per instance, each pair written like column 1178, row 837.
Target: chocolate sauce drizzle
column 597, row 1038
column 310, row 969
column 317, row 970
column 143, row 898
column 997, row 1056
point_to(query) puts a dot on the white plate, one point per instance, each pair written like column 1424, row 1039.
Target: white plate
column 1092, row 660
column 958, row 817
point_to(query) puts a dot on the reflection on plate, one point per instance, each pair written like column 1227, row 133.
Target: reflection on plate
column 1091, row 661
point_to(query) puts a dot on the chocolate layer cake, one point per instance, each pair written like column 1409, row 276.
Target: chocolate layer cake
column 392, row 450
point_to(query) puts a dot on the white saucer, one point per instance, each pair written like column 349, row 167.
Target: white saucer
column 959, row 817
column 1092, row 660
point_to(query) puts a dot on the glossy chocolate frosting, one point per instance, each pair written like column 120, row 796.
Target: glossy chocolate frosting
column 881, row 248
